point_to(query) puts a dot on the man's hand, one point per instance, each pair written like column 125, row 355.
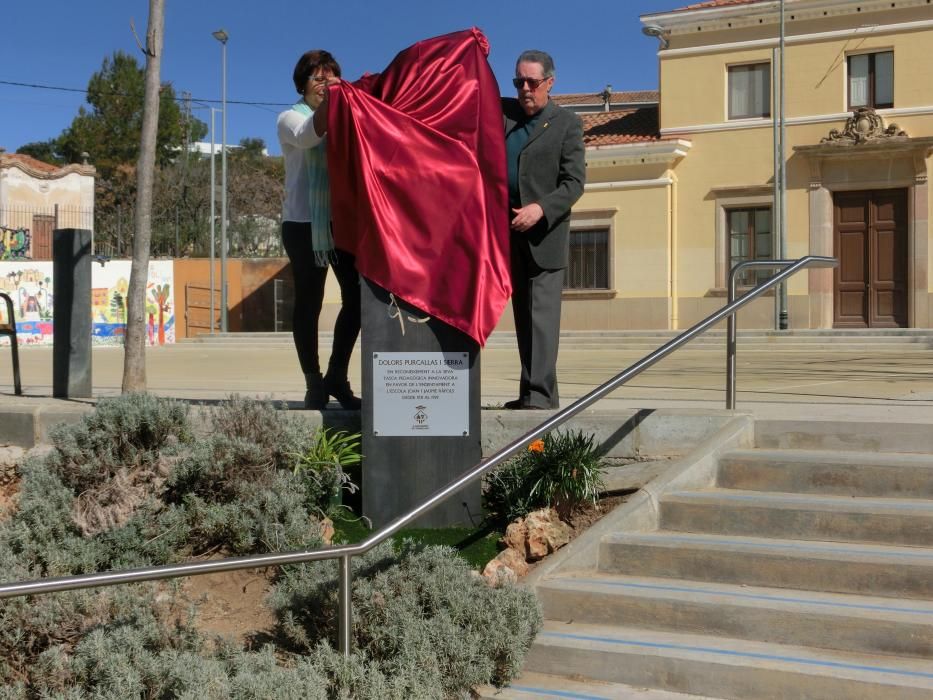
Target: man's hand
column 526, row 217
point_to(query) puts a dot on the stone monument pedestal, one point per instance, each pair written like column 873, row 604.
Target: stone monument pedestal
column 420, row 418
column 71, row 315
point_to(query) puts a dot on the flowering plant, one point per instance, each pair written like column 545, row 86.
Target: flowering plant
column 563, row 470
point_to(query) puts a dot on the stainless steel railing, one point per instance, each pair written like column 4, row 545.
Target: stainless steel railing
column 816, row 261
column 344, row 553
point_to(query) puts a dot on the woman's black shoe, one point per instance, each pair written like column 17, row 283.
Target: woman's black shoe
column 315, row 395
column 340, row 390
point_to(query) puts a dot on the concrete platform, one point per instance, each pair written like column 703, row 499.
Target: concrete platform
column 821, row 384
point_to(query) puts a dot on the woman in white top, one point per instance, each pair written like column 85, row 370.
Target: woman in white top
column 307, row 235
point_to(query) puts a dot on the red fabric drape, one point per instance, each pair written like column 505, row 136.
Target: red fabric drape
column 416, row 157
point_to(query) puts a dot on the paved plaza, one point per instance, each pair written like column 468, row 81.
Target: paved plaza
column 894, row 383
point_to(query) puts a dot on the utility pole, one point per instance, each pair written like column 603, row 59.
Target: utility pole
column 782, row 253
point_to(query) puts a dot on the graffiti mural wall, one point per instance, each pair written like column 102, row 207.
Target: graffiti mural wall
column 30, row 285
column 14, row 243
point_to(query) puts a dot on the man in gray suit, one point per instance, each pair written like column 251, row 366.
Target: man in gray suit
column 546, row 167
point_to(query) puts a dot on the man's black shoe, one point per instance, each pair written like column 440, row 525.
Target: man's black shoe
column 513, row 405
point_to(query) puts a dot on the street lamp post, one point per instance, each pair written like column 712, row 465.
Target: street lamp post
column 222, row 37
column 214, row 110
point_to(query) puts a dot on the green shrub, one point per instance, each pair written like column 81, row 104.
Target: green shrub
column 421, row 616
column 272, row 429
column 425, row 627
column 123, row 432
column 563, row 471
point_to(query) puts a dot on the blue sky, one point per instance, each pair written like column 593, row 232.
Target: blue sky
column 62, row 42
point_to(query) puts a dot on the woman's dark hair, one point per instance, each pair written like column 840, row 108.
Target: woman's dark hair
column 310, row 62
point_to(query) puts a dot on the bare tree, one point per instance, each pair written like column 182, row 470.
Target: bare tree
column 134, row 350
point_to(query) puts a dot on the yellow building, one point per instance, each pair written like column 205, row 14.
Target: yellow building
column 669, row 206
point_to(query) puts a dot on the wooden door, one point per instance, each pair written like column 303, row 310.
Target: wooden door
column 870, row 232
column 41, row 245
column 198, row 309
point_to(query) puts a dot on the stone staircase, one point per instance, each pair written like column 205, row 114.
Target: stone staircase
column 643, row 342
column 777, row 572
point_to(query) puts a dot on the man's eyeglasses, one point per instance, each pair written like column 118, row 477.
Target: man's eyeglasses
column 533, row 83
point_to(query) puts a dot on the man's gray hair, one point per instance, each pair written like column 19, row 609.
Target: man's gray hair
column 542, row 57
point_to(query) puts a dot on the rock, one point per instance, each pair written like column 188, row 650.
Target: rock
column 546, row 533
column 498, row 574
column 515, row 537
column 327, row 530
column 515, row 560
column 508, row 566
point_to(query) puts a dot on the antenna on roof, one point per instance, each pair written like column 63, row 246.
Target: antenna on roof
column 607, row 97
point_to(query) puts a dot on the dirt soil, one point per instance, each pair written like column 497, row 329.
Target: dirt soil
column 232, row 604
column 586, row 517
column 10, row 457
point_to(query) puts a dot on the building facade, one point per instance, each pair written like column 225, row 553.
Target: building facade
column 669, row 207
column 36, row 198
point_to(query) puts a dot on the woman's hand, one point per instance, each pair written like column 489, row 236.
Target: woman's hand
column 320, row 114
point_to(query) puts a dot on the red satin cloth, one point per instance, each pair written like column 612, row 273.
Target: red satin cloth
column 416, row 158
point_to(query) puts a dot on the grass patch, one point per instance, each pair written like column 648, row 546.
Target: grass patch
column 475, row 545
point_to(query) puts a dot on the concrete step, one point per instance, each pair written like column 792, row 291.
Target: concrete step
column 724, row 667
column 838, row 473
column 544, row 685
column 800, row 516
column 844, row 435
column 860, row 624
column 863, row 569
column 646, row 341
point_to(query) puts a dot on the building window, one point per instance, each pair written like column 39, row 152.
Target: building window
column 589, row 259
column 871, row 80
column 750, row 239
column 750, row 91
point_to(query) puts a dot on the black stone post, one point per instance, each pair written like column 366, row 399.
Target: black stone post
column 71, row 317
column 419, row 387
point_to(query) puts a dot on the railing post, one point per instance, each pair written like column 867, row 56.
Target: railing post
column 345, row 609
column 731, row 340
column 730, row 346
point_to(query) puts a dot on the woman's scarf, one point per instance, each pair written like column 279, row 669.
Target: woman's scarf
column 322, row 240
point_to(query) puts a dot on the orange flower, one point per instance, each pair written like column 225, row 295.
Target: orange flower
column 536, row 446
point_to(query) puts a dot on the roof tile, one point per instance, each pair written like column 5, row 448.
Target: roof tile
column 617, row 98
column 621, row 126
column 31, row 162
column 710, row 4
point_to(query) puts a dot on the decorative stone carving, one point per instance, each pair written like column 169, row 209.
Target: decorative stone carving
column 864, row 125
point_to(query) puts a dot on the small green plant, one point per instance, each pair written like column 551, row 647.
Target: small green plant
column 324, row 466
column 562, row 470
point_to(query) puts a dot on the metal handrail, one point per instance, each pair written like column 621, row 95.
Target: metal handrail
column 9, row 329
column 345, row 552
column 818, row 261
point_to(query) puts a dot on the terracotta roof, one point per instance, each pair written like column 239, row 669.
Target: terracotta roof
column 710, row 4
column 620, row 127
column 594, row 98
column 31, row 162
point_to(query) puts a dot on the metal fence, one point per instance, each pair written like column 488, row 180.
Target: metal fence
column 26, row 231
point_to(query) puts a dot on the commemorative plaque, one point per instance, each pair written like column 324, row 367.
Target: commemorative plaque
column 421, row 393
